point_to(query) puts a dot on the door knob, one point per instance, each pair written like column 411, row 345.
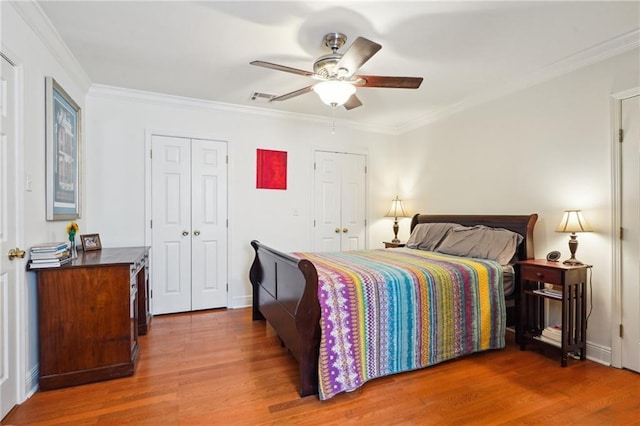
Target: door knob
column 185, row 233
column 196, row 233
column 337, row 230
column 16, row 252
column 345, row 230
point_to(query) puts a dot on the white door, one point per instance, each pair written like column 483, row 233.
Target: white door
column 340, row 212
column 171, row 224
column 189, row 224
column 8, row 268
column 328, row 223
column 209, row 224
column 630, row 243
column 353, row 202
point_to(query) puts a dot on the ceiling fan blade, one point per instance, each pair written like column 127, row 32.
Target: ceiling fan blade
column 352, row 102
column 389, row 82
column 293, row 94
column 360, row 51
column 281, row 68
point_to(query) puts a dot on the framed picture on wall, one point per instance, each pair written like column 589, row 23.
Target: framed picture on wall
column 63, row 120
column 271, row 169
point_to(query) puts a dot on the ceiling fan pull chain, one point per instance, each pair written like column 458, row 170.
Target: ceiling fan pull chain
column 333, row 119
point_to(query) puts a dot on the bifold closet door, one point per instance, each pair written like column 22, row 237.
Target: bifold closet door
column 208, row 224
column 339, row 201
column 189, row 224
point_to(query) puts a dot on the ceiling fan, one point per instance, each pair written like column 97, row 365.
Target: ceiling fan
column 337, row 76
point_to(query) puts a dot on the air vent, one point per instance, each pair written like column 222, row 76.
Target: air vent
column 261, row 97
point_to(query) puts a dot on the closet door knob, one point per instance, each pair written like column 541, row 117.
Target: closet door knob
column 337, row 230
column 345, row 230
column 185, row 233
column 196, row 233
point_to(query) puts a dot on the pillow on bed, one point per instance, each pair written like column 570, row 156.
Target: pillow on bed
column 482, row 242
column 427, row 236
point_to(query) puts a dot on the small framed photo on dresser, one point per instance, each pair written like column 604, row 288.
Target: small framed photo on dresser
column 91, row 242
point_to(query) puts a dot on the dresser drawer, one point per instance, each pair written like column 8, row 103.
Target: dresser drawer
column 541, row 274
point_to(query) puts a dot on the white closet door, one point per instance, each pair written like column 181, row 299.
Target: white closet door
column 209, row 224
column 353, row 202
column 171, row 229
column 630, row 243
column 327, row 197
column 339, row 197
column 9, row 323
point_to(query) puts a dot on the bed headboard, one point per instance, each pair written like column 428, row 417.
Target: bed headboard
column 522, row 224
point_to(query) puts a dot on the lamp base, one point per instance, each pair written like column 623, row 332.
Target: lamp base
column 573, row 247
column 395, row 231
column 573, row 261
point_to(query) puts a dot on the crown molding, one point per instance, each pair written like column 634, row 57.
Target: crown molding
column 119, row 93
column 39, row 22
column 598, row 53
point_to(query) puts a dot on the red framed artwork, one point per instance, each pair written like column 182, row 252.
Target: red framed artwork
column 271, row 169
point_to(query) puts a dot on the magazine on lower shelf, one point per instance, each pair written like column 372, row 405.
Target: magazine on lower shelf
column 545, row 339
column 549, row 293
column 553, row 332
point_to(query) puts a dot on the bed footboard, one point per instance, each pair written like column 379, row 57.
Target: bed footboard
column 285, row 294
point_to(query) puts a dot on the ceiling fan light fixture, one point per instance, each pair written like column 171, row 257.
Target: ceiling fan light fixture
column 333, row 92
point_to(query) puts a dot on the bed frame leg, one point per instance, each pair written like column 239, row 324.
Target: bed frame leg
column 308, row 379
column 255, row 276
column 257, row 315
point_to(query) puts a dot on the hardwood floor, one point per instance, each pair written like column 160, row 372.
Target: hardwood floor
column 219, row 367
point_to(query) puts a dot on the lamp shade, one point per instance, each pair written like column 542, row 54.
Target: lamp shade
column 573, row 221
column 397, row 209
column 333, row 92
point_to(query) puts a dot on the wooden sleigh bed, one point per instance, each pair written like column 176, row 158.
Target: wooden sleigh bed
column 285, row 290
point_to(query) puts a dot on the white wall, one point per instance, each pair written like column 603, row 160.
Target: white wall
column 34, row 62
column 118, row 121
column 541, row 150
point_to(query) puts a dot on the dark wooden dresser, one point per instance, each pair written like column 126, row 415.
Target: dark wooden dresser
column 90, row 313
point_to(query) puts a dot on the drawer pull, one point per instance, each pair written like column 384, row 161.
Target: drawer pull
column 539, row 274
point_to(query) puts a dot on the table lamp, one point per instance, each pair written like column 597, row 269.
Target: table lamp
column 397, row 210
column 573, row 221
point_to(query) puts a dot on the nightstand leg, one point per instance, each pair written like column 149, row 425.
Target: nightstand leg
column 524, row 316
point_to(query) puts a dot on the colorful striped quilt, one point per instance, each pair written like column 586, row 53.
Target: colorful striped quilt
column 393, row 310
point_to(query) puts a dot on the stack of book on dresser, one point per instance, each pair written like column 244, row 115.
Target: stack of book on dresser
column 49, row 255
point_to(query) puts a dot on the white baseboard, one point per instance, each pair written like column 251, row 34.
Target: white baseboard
column 31, row 381
column 241, row 302
column 598, row 353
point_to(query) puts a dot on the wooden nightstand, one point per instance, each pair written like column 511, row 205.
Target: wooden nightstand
column 388, row 244
column 570, row 283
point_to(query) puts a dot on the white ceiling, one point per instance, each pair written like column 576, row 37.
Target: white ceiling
column 464, row 50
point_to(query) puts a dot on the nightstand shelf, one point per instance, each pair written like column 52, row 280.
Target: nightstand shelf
column 569, row 282
column 388, row 244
